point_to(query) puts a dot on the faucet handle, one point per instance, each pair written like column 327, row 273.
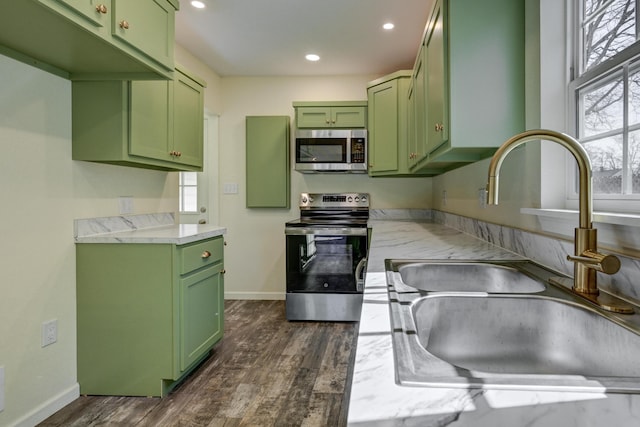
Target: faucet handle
column 608, row 264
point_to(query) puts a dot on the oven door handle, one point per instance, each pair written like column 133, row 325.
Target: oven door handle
column 332, row 231
column 360, row 281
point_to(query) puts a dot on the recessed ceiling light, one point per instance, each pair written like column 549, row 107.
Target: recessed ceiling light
column 197, row 4
column 388, row 26
column 312, row 57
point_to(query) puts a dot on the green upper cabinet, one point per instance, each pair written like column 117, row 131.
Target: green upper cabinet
column 468, row 82
column 437, row 114
column 418, row 143
column 387, row 134
column 337, row 114
column 188, row 116
column 147, row 124
column 268, row 167
column 147, row 26
column 92, row 39
column 389, row 125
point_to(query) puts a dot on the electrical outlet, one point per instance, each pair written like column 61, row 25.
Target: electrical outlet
column 444, row 197
column 49, row 332
column 125, row 205
column 482, row 197
column 1, row 388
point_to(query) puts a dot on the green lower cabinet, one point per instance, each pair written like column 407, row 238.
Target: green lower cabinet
column 144, row 321
column 201, row 326
column 145, row 124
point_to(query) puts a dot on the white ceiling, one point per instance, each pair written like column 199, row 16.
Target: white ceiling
column 271, row 37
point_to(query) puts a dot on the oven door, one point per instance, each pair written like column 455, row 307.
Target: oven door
column 326, row 260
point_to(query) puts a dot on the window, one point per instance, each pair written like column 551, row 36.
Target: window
column 188, row 188
column 606, row 90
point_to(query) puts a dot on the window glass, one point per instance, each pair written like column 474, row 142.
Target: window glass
column 608, row 96
column 608, row 27
column 188, row 189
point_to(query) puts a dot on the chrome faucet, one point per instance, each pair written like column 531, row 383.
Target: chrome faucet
column 587, row 260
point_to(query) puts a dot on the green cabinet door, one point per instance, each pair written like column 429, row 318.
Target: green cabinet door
column 268, row 167
column 348, row 117
column 383, row 127
column 201, row 315
column 150, row 119
column 420, row 94
column 313, row 117
column 148, row 26
column 93, row 12
column 437, row 128
column 188, row 116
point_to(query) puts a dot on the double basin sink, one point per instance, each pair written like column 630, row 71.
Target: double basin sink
column 501, row 324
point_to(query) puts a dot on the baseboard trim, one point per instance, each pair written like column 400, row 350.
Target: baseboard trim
column 255, row 295
column 49, row 407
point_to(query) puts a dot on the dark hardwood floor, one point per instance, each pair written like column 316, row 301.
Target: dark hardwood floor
column 266, row 371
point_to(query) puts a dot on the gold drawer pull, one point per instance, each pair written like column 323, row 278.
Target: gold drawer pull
column 223, row 271
column 124, row 25
column 101, row 8
column 206, row 254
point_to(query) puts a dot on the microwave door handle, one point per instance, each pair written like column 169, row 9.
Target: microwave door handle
column 360, row 280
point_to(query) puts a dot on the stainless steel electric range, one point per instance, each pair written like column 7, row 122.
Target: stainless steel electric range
column 326, row 257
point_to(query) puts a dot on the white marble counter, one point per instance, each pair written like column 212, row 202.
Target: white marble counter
column 376, row 400
column 151, row 228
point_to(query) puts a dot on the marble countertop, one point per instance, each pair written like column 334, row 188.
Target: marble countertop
column 149, row 228
column 376, row 399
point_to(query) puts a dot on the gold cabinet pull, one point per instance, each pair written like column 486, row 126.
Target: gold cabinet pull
column 101, row 8
column 206, row 254
column 223, row 271
column 124, row 24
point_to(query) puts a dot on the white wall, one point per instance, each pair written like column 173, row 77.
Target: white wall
column 254, row 257
column 43, row 191
column 522, row 177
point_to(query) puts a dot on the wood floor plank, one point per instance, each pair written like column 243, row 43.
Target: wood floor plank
column 265, row 372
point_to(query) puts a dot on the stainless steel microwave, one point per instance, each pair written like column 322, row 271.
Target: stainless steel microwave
column 331, row 150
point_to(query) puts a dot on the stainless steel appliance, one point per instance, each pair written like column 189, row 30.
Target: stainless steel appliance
column 331, row 150
column 326, row 251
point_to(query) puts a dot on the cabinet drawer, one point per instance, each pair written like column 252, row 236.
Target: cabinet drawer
column 200, row 254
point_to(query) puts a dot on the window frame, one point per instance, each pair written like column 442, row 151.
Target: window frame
column 622, row 62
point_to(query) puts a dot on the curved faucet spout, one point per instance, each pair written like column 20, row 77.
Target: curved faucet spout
column 587, row 260
column 574, row 147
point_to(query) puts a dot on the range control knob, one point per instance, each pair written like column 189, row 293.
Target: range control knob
column 363, row 198
column 304, row 199
column 350, row 199
column 310, row 199
column 357, row 199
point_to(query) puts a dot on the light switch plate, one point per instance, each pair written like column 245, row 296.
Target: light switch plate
column 230, row 188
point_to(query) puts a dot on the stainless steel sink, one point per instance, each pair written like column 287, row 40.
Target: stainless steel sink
column 465, row 277
column 544, row 340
